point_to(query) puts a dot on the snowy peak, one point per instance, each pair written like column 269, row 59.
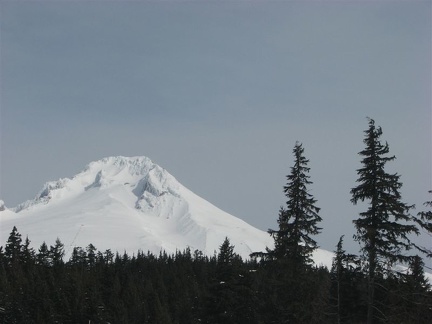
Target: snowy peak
column 120, row 166
column 116, row 170
column 146, row 179
column 129, row 203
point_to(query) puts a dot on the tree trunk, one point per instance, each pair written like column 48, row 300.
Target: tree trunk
column 371, row 284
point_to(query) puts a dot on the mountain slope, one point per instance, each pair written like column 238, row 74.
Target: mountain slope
column 130, row 204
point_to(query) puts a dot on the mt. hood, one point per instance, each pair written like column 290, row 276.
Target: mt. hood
column 130, row 204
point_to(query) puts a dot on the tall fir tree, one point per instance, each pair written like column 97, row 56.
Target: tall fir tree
column 57, row 252
column 225, row 302
column 43, row 255
column 226, row 253
column 27, row 253
column 343, row 273
column 416, row 276
column 298, row 222
column 13, row 246
column 383, row 228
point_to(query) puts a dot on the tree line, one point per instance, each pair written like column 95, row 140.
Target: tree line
column 279, row 285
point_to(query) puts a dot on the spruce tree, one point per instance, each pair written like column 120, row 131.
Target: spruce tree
column 43, row 255
column 382, row 229
column 288, row 264
column 343, row 273
column 27, row 253
column 416, row 276
column 424, row 220
column 226, row 253
column 337, row 270
column 231, row 297
column 57, row 253
column 299, row 220
column 13, row 247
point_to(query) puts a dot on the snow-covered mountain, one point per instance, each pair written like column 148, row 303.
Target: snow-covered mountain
column 130, row 204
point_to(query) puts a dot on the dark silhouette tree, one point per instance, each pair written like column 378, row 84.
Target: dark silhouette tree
column 383, row 228
column 226, row 253
column 420, row 294
column 13, row 247
column 298, row 222
column 27, row 253
column 229, row 295
column 43, row 256
column 290, row 282
column 91, row 255
column 344, row 273
column 424, row 220
column 57, row 253
column 416, row 276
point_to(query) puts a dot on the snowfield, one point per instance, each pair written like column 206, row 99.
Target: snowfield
column 130, row 204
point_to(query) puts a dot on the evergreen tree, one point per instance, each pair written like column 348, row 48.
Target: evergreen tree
column 412, row 297
column 424, row 220
column 420, row 289
column 91, row 255
column 299, row 221
column 27, row 253
column 78, row 256
column 226, row 253
column 231, row 298
column 57, row 253
column 337, row 270
column 344, row 273
column 289, row 283
column 382, row 229
column 43, row 256
column 13, row 247
column 416, row 277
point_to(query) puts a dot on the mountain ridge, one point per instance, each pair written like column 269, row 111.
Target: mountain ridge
column 130, row 204
column 134, row 195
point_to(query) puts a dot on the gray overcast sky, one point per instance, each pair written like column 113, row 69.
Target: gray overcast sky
column 218, row 93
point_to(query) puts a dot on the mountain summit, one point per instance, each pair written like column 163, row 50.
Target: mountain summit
column 128, row 204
